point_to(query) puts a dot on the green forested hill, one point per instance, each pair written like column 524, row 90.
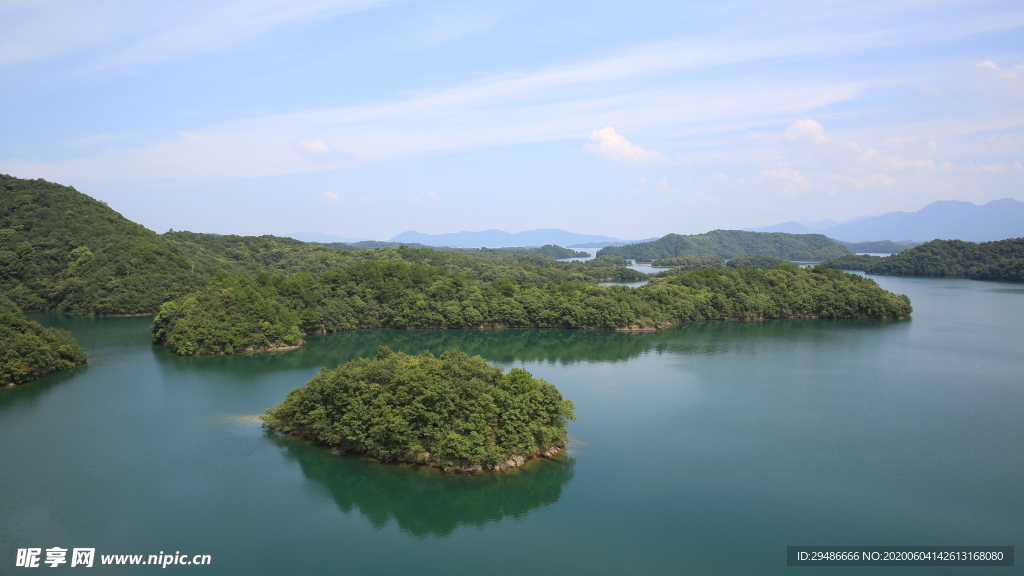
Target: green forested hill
column 756, row 261
column 63, row 251
column 732, row 243
column 28, row 351
column 690, row 260
column 999, row 260
column 245, row 312
column 880, row 246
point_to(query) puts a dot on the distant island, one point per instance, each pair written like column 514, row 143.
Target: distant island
column 451, row 412
column 551, row 250
column 880, row 246
column 502, row 239
column 732, row 243
column 999, row 260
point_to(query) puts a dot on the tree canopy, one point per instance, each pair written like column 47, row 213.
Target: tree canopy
column 757, row 261
column 62, row 251
column 998, row 260
column 690, row 260
column 732, row 243
column 453, row 412
column 28, row 351
column 265, row 311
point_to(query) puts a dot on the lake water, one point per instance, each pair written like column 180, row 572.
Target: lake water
column 704, row 449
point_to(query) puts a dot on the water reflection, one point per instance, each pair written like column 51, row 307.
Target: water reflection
column 527, row 345
column 425, row 501
column 29, row 394
column 1006, row 290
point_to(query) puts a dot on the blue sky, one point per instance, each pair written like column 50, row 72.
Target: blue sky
column 368, row 118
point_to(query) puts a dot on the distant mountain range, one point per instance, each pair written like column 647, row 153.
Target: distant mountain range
column 322, row 238
column 502, row 239
column 946, row 220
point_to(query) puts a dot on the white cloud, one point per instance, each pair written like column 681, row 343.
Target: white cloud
column 875, row 180
column 873, row 158
column 806, row 130
column 313, row 146
column 608, row 143
column 330, row 198
column 665, row 186
column 120, row 32
column 793, row 182
column 429, row 197
column 897, row 140
column 701, row 198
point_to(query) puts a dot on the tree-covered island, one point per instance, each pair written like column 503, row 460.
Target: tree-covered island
column 451, row 412
column 236, row 313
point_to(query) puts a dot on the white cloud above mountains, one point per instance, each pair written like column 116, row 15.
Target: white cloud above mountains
column 610, row 144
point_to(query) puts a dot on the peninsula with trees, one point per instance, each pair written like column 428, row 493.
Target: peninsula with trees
column 237, row 313
column 28, row 351
column 997, row 260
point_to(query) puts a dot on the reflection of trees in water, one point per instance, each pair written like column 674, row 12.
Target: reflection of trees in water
column 425, row 501
column 567, row 346
column 29, row 394
column 526, row 345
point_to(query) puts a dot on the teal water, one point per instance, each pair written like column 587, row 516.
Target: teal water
column 704, row 449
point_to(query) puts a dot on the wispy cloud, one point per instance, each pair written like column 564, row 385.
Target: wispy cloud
column 130, row 32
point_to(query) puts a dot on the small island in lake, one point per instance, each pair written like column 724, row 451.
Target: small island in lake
column 451, row 412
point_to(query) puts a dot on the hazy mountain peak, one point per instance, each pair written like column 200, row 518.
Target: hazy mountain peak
column 943, row 219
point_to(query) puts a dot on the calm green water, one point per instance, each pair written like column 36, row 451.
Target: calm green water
column 705, row 449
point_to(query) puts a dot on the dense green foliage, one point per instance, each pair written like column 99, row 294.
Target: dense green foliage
column 852, row 262
column 28, row 351
column 676, row 271
column 690, row 260
column 63, row 251
column 547, row 250
column 368, row 244
column 452, row 411
column 756, row 261
column 999, row 260
column 732, row 243
column 240, row 312
column 880, row 246
column 60, row 250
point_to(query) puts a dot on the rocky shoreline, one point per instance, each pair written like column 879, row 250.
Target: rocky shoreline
column 510, row 462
